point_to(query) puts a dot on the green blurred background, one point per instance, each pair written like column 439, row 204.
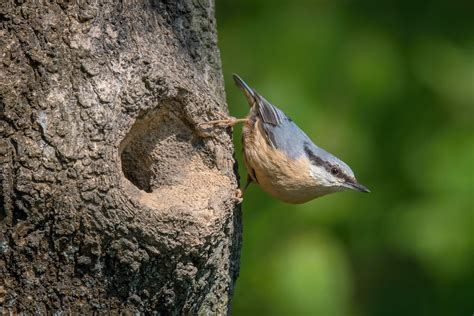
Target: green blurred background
column 387, row 86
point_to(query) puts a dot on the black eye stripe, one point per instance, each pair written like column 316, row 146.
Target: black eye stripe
column 318, row 161
column 326, row 165
column 312, row 157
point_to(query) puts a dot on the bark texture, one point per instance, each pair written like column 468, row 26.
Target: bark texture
column 112, row 198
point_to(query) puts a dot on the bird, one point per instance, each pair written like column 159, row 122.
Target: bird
column 282, row 159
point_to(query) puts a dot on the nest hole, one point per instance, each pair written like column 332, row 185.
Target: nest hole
column 156, row 149
column 167, row 165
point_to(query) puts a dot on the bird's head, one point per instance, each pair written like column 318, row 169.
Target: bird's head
column 330, row 173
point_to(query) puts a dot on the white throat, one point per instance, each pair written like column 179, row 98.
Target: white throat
column 323, row 178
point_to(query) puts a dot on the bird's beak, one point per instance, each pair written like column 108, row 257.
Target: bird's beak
column 357, row 186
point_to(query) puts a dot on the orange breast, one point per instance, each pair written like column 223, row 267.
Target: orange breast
column 284, row 178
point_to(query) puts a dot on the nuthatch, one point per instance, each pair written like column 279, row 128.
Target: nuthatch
column 282, row 159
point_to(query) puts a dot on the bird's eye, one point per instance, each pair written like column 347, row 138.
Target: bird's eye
column 334, row 171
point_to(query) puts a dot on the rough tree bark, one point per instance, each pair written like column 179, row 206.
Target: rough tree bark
column 113, row 199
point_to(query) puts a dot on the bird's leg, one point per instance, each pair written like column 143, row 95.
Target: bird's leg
column 228, row 122
column 239, row 192
column 249, row 181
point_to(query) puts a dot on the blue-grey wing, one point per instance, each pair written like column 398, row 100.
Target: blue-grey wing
column 288, row 138
column 293, row 142
column 282, row 133
column 269, row 113
column 266, row 111
column 285, row 135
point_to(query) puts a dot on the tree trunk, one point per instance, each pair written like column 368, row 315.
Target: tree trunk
column 113, row 199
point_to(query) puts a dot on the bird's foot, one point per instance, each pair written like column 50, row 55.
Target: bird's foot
column 238, row 196
column 228, row 122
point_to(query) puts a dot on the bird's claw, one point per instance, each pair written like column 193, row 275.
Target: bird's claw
column 238, row 196
column 221, row 123
column 228, row 122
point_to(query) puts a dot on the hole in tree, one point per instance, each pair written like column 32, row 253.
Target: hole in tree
column 136, row 151
column 156, row 150
column 168, row 165
column 136, row 167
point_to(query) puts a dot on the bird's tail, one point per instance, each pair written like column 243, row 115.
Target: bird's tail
column 249, row 92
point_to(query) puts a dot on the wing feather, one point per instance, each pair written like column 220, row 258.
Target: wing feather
column 281, row 132
column 268, row 112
